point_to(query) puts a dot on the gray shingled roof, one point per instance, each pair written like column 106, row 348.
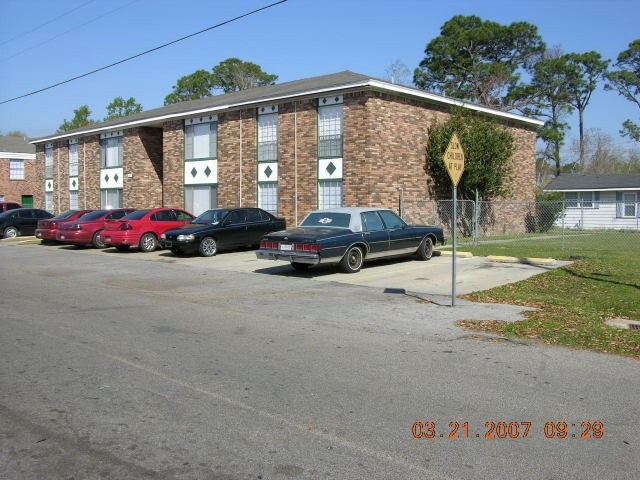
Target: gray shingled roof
column 595, row 182
column 13, row 144
column 307, row 86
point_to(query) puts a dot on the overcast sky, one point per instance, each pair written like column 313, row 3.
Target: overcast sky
column 43, row 42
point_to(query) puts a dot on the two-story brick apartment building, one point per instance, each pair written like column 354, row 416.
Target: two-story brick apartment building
column 17, row 171
column 336, row 140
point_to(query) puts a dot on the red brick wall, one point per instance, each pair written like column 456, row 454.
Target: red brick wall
column 142, row 166
column 173, row 163
column 12, row 190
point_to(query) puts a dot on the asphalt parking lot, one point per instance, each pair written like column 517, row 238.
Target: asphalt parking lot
column 431, row 279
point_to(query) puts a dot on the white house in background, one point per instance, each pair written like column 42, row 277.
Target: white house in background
column 599, row 201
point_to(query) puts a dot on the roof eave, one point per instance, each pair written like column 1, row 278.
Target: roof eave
column 371, row 83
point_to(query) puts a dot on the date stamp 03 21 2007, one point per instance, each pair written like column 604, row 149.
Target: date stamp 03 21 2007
column 511, row 430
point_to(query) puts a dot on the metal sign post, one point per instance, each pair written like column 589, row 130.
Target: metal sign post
column 454, row 162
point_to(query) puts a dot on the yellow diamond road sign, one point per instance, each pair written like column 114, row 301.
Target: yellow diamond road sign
column 454, row 159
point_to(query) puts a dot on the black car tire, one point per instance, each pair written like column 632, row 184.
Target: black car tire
column 300, row 267
column 11, row 232
column 148, row 242
column 425, row 250
column 96, row 241
column 122, row 248
column 208, row 247
column 352, row 260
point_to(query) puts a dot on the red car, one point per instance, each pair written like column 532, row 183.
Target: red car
column 46, row 230
column 86, row 230
column 143, row 228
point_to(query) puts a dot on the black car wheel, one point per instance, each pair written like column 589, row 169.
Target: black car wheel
column 97, row 241
column 148, row 242
column 11, row 232
column 425, row 250
column 122, row 248
column 352, row 261
column 300, row 267
column 208, row 247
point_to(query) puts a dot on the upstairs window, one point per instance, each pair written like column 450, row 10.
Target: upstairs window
column 330, row 119
column 16, row 170
column 111, row 152
column 268, row 137
column 48, row 161
column 73, row 159
column 201, row 141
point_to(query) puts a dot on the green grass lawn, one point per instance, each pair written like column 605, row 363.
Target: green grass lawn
column 573, row 301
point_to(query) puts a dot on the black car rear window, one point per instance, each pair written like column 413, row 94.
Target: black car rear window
column 137, row 215
column 211, row 216
column 93, row 215
column 327, row 219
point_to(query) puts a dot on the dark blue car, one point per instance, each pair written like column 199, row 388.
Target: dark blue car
column 348, row 237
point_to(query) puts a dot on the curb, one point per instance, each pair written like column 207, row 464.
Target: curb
column 525, row 260
column 458, row 254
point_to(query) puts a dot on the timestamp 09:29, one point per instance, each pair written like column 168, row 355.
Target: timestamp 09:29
column 509, row 430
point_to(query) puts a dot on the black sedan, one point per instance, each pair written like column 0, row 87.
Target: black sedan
column 348, row 237
column 222, row 228
column 21, row 221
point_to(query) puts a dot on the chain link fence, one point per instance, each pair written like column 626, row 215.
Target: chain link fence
column 484, row 222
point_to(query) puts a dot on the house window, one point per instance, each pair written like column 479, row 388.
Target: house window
column 110, row 198
column 73, row 200
column 48, row 161
column 629, row 202
column 201, row 141
column 16, row 170
column 48, row 201
column 111, row 152
column 200, row 198
column 579, row 200
column 268, row 137
column 73, row 160
column 268, row 197
column 329, row 194
column 330, row 131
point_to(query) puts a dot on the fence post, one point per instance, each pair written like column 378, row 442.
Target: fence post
column 475, row 220
column 563, row 215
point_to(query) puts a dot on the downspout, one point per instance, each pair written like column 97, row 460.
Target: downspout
column 240, row 192
column 58, row 179
column 84, row 172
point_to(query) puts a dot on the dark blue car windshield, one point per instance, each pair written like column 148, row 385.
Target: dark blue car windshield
column 327, row 219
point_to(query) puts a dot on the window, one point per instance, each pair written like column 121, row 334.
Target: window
column 164, row 216
column 111, row 198
column 201, row 141
column 111, row 152
column 16, row 170
column 73, row 200
column 268, row 197
column 629, row 201
column 48, row 161
column 578, row 199
column 200, row 198
column 48, row 201
column 330, row 131
column 268, row 137
column 73, row 160
column 372, row 222
column 329, row 194
column 391, row 220
column 324, row 219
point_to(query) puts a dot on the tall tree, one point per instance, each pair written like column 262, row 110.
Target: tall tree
column 80, row 119
column 625, row 78
column 588, row 69
column 233, row 74
column 488, row 148
column 120, row 107
column 398, row 73
column 199, row 84
column 478, row 60
column 548, row 96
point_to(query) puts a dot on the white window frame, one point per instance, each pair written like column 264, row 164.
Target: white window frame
column 111, row 152
column 579, row 200
column 188, row 197
column 201, row 144
column 629, row 200
column 48, row 201
column 268, row 137
column 330, row 194
column 107, row 197
column 330, row 131
column 73, row 160
column 268, row 196
column 16, row 169
column 73, row 199
column 48, row 162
